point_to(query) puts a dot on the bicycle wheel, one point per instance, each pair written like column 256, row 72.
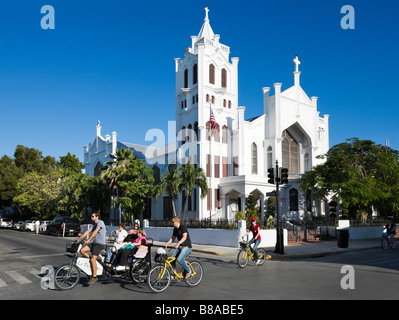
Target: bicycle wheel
column 384, row 243
column 242, row 258
column 66, row 277
column 393, row 244
column 158, row 278
column 261, row 255
column 197, row 273
column 139, row 270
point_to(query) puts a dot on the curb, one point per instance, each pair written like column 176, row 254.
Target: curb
column 315, row 254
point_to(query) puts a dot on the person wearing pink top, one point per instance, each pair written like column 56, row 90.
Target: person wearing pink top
column 129, row 249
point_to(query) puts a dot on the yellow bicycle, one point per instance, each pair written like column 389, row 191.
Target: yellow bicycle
column 246, row 253
column 160, row 276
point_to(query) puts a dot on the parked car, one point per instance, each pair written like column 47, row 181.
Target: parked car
column 64, row 225
column 5, row 223
column 29, row 225
column 18, row 225
column 43, row 226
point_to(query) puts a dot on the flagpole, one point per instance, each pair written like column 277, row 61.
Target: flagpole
column 210, row 159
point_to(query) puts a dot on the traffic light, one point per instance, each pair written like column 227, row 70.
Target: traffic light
column 270, row 175
column 284, row 176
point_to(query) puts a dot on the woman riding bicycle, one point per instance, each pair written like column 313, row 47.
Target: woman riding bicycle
column 183, row 246
column 391, row 229
column 254, row 228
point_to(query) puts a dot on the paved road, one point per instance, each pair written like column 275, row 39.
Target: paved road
column 372, row 274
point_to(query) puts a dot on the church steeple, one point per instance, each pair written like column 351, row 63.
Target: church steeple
column 206, row 30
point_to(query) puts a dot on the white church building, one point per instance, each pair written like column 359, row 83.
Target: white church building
column 233, row 151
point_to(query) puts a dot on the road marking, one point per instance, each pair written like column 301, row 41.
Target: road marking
column 17, row 277
column 3, row 284
column 35, row 272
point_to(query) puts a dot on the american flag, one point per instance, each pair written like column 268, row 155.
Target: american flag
column 213, row 124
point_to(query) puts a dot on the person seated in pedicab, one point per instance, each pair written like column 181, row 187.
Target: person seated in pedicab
column 121, row 234
column 129, row 249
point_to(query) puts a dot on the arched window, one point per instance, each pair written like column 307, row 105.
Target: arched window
column 224, row 78
column 212, row 74
column 290, row 151
column 224, row 134
column 186, row 78
column 269, row 157
column 254, row 158
column 97, row 169
column 293, row 199
column 157, row 174
column 195, row 138
column 229, row 104
column 195, row 74
column 213, row 99
column 183, row 135
column 207, row 98
column 189, row 132
column 306, row 162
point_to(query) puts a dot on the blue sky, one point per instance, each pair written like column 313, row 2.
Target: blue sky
column 113, row 61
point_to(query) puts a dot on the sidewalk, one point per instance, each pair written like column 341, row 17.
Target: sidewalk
column 292, row 251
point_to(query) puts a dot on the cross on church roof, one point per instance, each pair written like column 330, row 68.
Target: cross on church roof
column 206, row 13
column 297, row 63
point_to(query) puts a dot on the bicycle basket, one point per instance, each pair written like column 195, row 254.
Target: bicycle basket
column 72, row 247
column 244, row 244
column 160, row 255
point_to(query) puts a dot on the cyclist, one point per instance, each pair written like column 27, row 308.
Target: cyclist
column 98, row 234
column 254, row 228
column 183, row 245
column 391, row 230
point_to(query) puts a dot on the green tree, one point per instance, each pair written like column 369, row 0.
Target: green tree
column 359, row 174
column 191, row 177
column 39, row 194
column 170, row 184
column 114, row 170
column 9, row 176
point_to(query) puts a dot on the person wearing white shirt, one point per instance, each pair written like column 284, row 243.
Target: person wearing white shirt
column 121, row 234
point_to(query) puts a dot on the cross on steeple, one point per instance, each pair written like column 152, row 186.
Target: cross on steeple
column 297, row 63
column 206, row 13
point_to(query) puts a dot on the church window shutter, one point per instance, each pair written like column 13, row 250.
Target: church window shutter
column 186, row 78
column 254, row 157
column 217, row 167
column 224, row 134
column 293, row 199
column 195, row 74
column 224, row 78
column 225, row 167
column 211, row 74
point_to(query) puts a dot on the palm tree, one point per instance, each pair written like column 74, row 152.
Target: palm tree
column 191, row 177
column 171, row 185
column 114, row 170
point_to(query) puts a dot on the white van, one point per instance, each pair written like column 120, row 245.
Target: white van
column 5, row 223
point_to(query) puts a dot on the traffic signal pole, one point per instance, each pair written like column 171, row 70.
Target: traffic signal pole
column 280, row 231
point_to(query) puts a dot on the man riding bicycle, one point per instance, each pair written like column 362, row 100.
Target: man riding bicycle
column 183, row 246
column 98, row 234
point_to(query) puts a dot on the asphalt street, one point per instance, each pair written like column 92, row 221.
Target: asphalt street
column 367, row 274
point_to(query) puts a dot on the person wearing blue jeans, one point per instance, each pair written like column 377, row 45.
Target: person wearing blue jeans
column 254, row 228
column 183, row 245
